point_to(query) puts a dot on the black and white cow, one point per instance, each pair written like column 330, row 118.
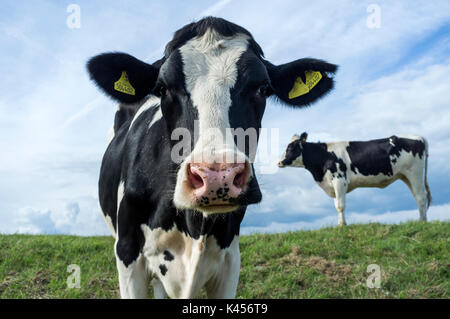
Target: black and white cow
column 340, row 167
column 176, row 223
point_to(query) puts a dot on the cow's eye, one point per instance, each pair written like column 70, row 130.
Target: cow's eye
column 163, row 91
column 263, row 90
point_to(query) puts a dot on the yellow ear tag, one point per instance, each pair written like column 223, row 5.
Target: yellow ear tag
column 300, row 88
column 123, row 85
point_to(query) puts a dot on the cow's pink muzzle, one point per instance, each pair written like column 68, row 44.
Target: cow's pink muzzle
column 217, row 184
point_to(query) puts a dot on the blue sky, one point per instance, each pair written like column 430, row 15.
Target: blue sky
column 53, row 121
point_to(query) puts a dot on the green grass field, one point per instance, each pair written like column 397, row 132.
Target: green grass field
column 414, row 259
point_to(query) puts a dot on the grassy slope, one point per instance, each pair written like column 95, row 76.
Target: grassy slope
column 327, row 263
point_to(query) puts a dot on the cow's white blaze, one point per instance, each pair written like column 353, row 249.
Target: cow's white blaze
column 210, row 70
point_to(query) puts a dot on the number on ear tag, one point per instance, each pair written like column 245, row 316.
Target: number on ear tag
column 123, row 85
column 300, row 88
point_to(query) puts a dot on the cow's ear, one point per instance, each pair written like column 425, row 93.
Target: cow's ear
column 303, row 137
column 301, row 82
column 122, row 76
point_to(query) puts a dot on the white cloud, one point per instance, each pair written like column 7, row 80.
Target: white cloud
column 33, row 221
column 215, row 9
column 67, row 217
column 82, row 217
column 291, row 191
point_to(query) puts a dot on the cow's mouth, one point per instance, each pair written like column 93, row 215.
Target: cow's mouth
column 221, row 208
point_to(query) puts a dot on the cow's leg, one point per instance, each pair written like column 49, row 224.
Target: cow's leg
column 224, row 284
column 158, row 289
column 133, row 278
column 417, row 186
column 339, row 199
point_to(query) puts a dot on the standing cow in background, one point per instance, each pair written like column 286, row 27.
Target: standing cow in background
column 340, row 167
column 176, row 222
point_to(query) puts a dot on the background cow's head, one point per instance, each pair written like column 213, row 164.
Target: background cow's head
column 213, row 77
column 293, row 156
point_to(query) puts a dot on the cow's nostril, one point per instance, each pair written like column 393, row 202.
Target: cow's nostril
column 195, row 179
column 239, row 180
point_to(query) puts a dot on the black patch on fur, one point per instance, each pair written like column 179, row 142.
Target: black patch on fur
column 168, row 255
column 373, row 157
column 293, row 151
column 122, row 115
column 163, row 269
column 316, row 158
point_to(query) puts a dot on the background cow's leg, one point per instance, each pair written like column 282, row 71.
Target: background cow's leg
column 158, row 289
column 417, row 186
column 133, row 278
column 224, row 284
column 339, row 200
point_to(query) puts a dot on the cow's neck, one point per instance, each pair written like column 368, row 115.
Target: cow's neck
column 222, row 226
column 315, row 155
column 193, row 245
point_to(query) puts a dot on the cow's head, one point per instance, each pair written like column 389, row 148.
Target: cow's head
column 213, row 78
column 293, row 156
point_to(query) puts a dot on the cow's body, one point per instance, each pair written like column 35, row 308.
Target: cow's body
column 340, row 167
column 181, row 251
column 176, row 215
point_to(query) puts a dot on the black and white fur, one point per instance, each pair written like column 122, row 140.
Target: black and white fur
column 340, row 167
column 212, row 72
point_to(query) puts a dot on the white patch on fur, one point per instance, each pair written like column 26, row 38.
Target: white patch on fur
column 109, row 224
column 327, row 184
column 224, row 284
column 156, row 117
column 133, row 279
column 298, row 162
column 110, row 135
column 411, row 137
column 120, row 194
column 196, row 262
column 340, row 149
column 391, row 142
column 108, row 221
column 210, row 70
column 152, row 101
